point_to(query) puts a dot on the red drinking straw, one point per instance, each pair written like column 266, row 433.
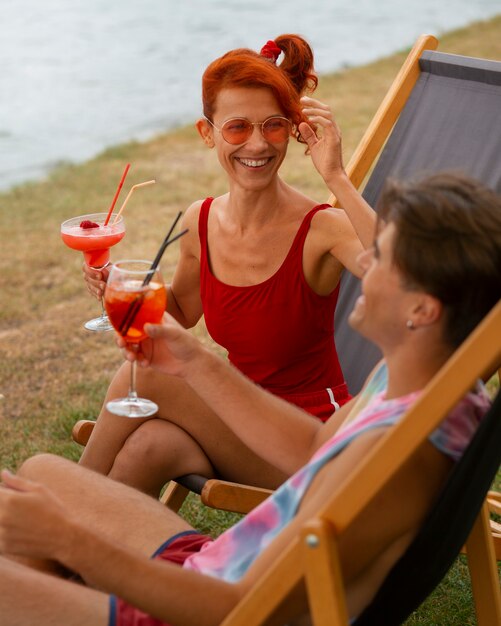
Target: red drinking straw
column 116, row 194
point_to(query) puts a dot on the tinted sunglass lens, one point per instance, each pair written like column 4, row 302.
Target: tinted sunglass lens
column 276, row 129
column 239, row 130
column 236, row 131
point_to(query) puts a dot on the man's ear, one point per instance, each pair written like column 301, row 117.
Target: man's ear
column 428, row 310
column 205, row 131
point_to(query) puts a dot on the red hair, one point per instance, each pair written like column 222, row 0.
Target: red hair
column 288, row 81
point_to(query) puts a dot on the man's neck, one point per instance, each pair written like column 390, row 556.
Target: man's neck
column 413, row 365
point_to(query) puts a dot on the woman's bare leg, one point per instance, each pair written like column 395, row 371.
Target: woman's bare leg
column 193, row 439
column 110, row 431
column 156, row 452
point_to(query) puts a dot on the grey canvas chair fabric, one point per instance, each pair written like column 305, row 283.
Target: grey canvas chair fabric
column 451, row 122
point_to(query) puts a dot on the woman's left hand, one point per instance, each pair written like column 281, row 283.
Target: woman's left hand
column 326, row 150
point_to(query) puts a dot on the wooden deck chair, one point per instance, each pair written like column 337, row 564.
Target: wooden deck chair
column 468, row 137
column 458, row 516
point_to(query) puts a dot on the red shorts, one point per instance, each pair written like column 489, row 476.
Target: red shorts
column 176, row 550
column 321, row 404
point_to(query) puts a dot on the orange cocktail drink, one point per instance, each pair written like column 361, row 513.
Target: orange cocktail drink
column 135, row 294
column 130, row 305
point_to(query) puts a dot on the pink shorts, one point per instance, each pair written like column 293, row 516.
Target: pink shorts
column 176, row 550
column 321, row 404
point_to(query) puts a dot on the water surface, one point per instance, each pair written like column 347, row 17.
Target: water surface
column 78, row 76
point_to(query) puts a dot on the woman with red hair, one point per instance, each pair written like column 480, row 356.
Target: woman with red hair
column 262, row 263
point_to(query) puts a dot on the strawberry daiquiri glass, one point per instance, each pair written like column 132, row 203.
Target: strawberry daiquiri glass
column 88, row 234
column 135, row 294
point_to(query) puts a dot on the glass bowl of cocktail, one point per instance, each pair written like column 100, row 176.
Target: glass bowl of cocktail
column 94, row 234
column 135, row 294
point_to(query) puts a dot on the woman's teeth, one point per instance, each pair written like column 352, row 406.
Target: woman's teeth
column 254, row 162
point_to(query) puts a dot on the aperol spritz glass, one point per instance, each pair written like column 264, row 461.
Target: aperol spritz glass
column 135, row 294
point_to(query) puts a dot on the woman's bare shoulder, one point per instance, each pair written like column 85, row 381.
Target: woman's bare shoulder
column 192, row 212
column 329, row 215
column 330, row 225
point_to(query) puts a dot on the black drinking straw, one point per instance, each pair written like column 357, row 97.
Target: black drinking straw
column 162, row 248
column 135, row 305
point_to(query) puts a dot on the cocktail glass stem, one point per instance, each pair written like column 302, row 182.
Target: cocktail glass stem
column 132, row 405
column 132, row 384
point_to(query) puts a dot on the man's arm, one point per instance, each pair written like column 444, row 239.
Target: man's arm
column 278, row 431
column 159, row 588
column 383, row 530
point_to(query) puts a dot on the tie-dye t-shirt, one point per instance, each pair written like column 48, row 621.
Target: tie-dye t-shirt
column 230, row 555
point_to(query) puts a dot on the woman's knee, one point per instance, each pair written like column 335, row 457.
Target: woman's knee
column 160, row 446
column 149, row 444
column 148, row 441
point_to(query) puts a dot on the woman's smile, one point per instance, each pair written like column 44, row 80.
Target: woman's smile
column 254, row 163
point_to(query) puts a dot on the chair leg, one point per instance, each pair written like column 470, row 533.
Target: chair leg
column 494, row 504
column 324, row 581
column 483, row 571
column 174, row 496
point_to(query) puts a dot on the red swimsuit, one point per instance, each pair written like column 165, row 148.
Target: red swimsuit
column 279, row 333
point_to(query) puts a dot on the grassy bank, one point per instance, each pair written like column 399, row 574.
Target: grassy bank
column 52, row 372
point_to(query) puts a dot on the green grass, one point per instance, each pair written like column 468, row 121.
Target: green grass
column 52, row 372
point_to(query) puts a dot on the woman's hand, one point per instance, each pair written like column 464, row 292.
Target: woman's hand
column 95, row 280
column 326, row 150
column 326, row 154
column 33, row 522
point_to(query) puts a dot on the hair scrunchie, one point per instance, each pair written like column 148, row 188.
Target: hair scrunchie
column 270, row 50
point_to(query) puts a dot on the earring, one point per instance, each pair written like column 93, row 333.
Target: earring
column 410, row 325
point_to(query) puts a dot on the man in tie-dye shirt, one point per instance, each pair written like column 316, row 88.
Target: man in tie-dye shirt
column 434, row 271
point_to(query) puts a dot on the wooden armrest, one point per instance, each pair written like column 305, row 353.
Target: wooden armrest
column 82, row 431
column 221, row 494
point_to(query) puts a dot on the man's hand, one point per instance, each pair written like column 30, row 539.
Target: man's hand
column 170, row 348
column 33, row 522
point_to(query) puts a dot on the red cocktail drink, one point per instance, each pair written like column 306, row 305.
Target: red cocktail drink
column 95, row 241
column 89, row 235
